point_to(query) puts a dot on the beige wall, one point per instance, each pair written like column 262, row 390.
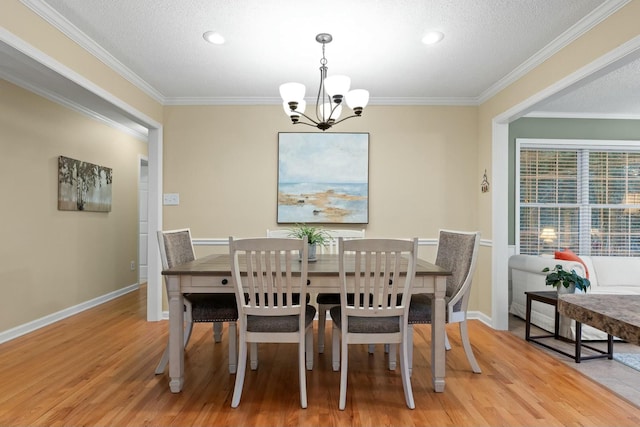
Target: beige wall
column 223, row 162
column 49, row 259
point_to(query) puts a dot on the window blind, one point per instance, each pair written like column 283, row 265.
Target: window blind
column 585, row 198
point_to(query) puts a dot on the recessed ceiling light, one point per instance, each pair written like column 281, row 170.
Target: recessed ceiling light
column 432, row 37
column 213, row 37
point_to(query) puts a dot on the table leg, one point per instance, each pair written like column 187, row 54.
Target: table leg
column 578, row 341
column 527, row 322
column 176, row 334
column 437, row 335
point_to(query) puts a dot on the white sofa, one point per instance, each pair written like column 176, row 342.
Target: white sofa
column 608, row 275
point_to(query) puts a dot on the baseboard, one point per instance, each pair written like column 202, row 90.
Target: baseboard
column 62, row 314
column 478, row 315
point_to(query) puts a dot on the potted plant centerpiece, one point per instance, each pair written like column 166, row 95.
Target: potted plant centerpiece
column 315, row 236
column 560, row 278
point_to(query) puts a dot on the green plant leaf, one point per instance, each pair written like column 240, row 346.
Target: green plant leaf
column 315, row 235
column 560, row 277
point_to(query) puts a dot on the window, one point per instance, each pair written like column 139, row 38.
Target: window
column 581, row 195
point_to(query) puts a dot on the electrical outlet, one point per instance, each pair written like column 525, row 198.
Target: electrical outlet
column 133, row 265
column 171, row 199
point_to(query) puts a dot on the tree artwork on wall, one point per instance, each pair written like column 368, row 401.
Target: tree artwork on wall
column 323, row 178
column 83, row 186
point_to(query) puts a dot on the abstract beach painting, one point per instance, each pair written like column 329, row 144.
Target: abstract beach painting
column 323, row 178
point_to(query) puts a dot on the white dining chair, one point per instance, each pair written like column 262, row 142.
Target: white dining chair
column 279, row 232
column 326, row 301
column 266, row 270
column 379, row 273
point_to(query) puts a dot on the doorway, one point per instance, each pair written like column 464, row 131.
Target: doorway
column 143, row 222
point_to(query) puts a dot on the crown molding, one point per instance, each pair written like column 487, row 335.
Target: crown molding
column 569, row 115
column 222, row 100
column 311, row 101
column 47, row 13
column 451, row 101
column 71, row 31
column 54, row 97
column 50, row 64
column 587, row 23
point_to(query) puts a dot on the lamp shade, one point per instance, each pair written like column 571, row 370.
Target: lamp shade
column 632, row 199
column 292, row 92
column 357, row 98
column 324, row 111
column 301, row 107
column 548, row 235
column 337, row 85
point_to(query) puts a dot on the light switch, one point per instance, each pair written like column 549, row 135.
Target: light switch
column 171, row 199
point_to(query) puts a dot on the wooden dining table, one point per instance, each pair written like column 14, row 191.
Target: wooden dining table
column 212, row 274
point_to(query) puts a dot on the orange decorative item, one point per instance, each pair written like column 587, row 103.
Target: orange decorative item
column 569, row 255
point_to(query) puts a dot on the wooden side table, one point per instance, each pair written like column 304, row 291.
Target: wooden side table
column 551, row 298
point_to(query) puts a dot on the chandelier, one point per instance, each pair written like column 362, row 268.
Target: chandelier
column 332, row 91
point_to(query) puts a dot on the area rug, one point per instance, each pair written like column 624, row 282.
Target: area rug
column 630, row 359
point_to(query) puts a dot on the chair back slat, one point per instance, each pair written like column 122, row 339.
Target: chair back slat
column 383, row 272
column 274, row 287
column 331, row 246
column 279, row 232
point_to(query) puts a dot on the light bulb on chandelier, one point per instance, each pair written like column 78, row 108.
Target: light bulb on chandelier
column 332, row 92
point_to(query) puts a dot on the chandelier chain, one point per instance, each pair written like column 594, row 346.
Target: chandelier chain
column 323, row 61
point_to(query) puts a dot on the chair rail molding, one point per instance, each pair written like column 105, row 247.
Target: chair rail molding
column 218, row 241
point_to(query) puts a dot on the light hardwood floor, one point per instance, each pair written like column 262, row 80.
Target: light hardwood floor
column 96, row 369
column 621, row 379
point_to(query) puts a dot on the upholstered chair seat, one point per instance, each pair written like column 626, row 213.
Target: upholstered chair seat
column 279, row 323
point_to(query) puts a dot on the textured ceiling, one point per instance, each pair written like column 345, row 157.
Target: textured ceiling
column 610, row 94
column 158, row 45
column 376, row 42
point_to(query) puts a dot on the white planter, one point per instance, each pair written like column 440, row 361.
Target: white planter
column 312, row 253
column 570, row 290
